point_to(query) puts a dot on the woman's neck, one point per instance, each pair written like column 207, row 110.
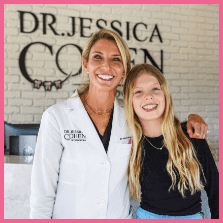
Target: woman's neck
column 100, row 100
column 152, row 128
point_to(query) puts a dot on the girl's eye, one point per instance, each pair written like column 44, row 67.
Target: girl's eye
column 97, row 57
column 156, row 89
column 138, row 92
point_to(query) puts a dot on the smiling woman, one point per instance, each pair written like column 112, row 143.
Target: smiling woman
column 121, row 49
column 82, row 178
column 106, row 59
column 104, row 65
column 105, row 68
column 84, row 175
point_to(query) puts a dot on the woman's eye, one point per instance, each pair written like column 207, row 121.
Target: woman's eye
column 156, row 89
column 138, row 92
column 97, row 57
column 116, row 59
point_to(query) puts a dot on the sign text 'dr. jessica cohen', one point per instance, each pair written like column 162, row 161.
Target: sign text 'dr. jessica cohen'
column 85, row 27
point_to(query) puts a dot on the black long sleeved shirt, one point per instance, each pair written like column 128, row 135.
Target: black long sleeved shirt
column 155, row 181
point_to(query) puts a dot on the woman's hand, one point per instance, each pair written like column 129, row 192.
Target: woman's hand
column 196, row 127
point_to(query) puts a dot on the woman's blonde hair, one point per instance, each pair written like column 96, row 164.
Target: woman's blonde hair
column 122, row 46
column 182, row 161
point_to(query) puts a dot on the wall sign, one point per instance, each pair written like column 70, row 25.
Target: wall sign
column 100, row 23
column 46, row 84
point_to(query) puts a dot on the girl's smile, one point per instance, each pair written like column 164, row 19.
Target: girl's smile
column 150, row 107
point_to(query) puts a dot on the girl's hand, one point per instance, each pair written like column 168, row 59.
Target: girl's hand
column 196, row 127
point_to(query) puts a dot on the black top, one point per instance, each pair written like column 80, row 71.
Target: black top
column 106, row 137
column 155, row 181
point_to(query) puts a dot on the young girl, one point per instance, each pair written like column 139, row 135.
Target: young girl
column 166, row 165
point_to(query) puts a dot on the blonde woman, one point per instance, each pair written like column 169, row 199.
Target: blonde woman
column 82, row 150
column 167, row 169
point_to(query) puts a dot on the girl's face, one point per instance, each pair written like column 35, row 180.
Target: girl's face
column 104, row 65
column 148, row 98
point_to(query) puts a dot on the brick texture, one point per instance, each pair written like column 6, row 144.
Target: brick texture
column 190, row 45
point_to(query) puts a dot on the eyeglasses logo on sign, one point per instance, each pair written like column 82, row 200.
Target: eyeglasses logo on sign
column 74, row 135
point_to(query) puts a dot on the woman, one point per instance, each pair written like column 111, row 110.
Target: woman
column 82, row 151
column 166, row 166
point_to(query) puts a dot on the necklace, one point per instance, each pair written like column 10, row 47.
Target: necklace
column 153, row 145
column 93, row 109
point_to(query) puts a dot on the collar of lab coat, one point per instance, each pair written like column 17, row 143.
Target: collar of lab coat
column 82, row 120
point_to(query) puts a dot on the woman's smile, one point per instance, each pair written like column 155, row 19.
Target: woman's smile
column 105, row 76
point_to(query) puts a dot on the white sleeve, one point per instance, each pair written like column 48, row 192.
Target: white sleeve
column 45, row 169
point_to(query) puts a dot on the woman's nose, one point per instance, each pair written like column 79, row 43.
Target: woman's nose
column 106, row 64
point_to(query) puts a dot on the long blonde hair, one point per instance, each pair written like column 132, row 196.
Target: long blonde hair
column 182, row 160
column 122, row 46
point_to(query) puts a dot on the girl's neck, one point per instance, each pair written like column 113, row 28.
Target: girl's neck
column 152, row 128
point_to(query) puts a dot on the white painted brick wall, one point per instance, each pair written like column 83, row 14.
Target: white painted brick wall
column 190, row 36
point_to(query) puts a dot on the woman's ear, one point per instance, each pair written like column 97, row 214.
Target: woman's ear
column 85, row 63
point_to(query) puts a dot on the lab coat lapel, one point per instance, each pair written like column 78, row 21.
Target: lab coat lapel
column 118, row 124
column 82, row 120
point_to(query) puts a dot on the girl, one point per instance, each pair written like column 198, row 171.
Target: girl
column 168, row 166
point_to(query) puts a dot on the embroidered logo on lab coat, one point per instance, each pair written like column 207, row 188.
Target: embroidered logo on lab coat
column 74, row 135
column 126, row 140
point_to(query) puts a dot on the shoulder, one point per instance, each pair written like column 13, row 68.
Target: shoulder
column 64, row 107
column 57, row 108
column 200, row 145
column 53, row 115
column 57, row 115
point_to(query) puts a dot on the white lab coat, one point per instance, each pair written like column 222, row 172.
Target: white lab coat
column 72, row 176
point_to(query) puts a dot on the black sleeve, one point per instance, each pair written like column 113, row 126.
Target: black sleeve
column 210, row 170
column 211, row 175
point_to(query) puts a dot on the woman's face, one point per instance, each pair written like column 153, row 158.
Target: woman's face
column 104, row 65
column 148, row 98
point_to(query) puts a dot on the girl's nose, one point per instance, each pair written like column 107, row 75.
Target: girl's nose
column 149, row 95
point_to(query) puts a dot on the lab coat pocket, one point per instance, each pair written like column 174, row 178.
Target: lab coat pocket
column 72, row 172
column 125, row 150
